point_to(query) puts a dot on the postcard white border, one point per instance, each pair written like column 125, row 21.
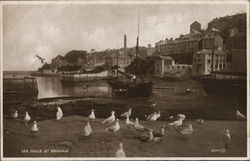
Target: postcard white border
column 100, row 2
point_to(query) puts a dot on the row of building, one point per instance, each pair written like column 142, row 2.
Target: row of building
column 221, row 47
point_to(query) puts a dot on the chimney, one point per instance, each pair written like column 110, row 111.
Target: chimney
column 125, row 44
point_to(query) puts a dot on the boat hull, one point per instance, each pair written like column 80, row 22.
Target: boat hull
column 225, row 87
column 133, row 89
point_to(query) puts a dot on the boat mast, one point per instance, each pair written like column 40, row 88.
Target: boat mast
column 137, row 40
column 117, row 54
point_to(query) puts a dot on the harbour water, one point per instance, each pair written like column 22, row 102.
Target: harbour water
column 170, row 97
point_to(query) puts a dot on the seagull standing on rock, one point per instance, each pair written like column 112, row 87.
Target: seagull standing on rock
column 34, row 128
column 59, row 113
column 114, row 128
column 87, row 130
column 15, row 115
column 26, row 118
column 110, row 118
column 239, row 115
column 120, row 152
column 92, row 115
column 126, row 113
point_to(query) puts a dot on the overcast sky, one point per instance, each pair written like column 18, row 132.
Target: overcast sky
column 50, row 30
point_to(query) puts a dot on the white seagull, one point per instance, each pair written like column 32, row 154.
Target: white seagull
column 87, row 130
column 152, row 117
column 128, row 122
column 120, row 152
column 137, row 126
column 59, row 113
column 15, row 115
column 187, row 131
column 110, row 118
column 114, row 128
column 181, row 116
column 26, row 118
column 158, row 114
column 92, row 115
column 239, row 115
column 126, row 113
column 176, row 123
column 200, row 121
column 34, row 128
column 227, row 139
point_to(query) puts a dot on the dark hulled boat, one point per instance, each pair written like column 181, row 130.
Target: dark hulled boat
column 132, row 89
column 225, row 83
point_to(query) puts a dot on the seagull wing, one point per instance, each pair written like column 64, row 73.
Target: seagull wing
column 124, row 114
column 108, row 120
column 187, row 131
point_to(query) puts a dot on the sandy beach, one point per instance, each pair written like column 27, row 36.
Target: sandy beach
column 63, row 139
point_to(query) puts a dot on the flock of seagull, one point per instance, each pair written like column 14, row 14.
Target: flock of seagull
column 147, row 134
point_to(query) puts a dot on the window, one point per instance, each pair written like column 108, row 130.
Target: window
column 208, row 61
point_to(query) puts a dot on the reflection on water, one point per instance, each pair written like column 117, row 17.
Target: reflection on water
column 53, row 87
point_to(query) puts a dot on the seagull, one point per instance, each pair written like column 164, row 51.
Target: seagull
column 26, row 118
column 120, row 152
column 146, row 137
column 239, row 115
column 171, row 117
column 176, row 123
column 40, row 58
column 188, row 90
column 187, row 131
column 114, row 128
column 227, row 139
column 153, row 105
column 161, row 133
column 128, row 122
column 34, row 128
column 158, row 114
column 137, row 126
column 126, row 113
column 110, row 118
column 87, row 130
column 181, row 116
column 92, row 115
column 15, row 115
column 200, row 121
column 152, row 117
column 59, row 113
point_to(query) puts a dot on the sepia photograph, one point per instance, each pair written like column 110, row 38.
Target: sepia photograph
column 128, row 79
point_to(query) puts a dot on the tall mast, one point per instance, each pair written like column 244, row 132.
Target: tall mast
column 117, row 54
column 137, row 40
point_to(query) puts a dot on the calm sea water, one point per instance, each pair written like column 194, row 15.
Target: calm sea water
column 170, row 97
column 53, row 87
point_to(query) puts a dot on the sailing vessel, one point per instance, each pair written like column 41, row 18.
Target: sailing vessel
column 133, row 87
